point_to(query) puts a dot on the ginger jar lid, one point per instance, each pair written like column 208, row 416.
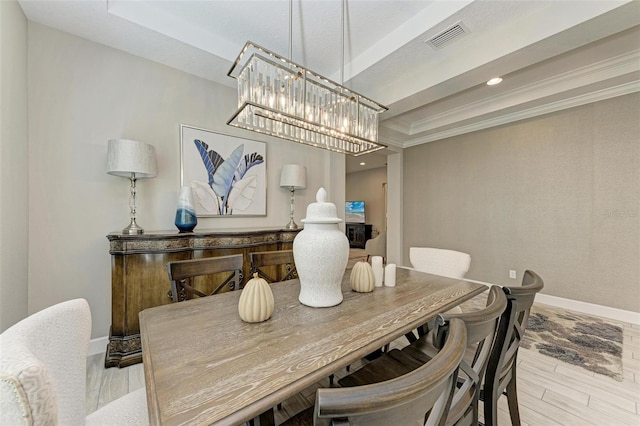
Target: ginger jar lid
column 321, row 211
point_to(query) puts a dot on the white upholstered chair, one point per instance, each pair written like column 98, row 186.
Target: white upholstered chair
column 43, row 362
column 443, row 262
column 376, row 246
column 447, row 263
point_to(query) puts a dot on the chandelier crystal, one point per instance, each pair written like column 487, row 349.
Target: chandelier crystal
column 280, row 98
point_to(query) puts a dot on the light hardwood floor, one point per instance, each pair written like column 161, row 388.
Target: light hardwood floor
column 550, row 392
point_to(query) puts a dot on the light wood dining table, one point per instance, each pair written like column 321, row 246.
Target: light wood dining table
column 203, row 365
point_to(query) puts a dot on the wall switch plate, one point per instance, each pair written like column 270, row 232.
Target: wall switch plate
column 512, row 273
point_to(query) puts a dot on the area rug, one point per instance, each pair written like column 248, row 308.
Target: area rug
column 590, row 342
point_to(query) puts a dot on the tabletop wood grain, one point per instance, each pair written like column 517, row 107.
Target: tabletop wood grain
column 204, row 365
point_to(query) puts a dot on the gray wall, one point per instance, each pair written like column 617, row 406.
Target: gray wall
column 80, row 95
column 14, row 208
column 367, row 185
column 558, row 194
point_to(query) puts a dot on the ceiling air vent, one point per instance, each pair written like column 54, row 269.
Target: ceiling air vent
column 455, row 31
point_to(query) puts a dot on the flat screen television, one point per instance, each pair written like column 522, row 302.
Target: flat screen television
column 354, row 212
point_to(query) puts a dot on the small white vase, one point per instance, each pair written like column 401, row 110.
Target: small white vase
column 321, row 253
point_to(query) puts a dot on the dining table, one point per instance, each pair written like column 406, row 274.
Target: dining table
column 203, row 365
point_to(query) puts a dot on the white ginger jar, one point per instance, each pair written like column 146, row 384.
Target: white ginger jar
column 321, row 253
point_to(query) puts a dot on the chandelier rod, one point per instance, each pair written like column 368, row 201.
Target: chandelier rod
column 290, row 29
column 342, row 23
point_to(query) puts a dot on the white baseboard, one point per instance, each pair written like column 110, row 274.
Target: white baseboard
column 583, row 307
column 590, row 308
column 97, row 346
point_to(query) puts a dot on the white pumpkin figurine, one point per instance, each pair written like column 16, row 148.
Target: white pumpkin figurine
column 256, row 300
column 361, row 278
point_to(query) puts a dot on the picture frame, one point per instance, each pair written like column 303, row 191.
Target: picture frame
column 227, row 174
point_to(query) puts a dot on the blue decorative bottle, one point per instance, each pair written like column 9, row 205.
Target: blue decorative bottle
column 186, row 213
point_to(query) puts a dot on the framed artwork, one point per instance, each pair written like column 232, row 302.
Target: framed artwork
column 227, row 174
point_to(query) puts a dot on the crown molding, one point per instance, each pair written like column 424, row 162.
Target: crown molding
column 579, row 77
column 595, row 96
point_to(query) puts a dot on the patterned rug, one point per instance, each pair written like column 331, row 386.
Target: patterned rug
column 590, row 342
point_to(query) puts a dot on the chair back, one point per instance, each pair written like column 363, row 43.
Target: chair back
column 43, row 361
column 513, row 323
column 274, row 266
column 447, row 263
column 481, row 328
column 376, row 246
column 422, row 394
column 184, row 275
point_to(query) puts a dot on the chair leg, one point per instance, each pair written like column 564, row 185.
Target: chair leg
column 490, row 397
column 512, row 399
column 410, row 337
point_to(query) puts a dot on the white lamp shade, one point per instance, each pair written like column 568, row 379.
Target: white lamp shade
column 293, row 176
column 126, row 156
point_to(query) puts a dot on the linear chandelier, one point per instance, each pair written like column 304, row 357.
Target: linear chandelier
column 280, row 98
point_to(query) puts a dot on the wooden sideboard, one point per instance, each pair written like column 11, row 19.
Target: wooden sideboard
column 139, row 276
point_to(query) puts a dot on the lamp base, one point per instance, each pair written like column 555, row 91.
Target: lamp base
column 291, row 225
column 133, row 229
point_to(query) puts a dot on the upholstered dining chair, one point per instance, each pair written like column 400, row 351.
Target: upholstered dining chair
column 447, row 263
column 501, row 371
column 43, row 362
column 376, row 246
column 481, row 326
column 277, row 265
column 184, row 274
column 419, row 397
column 437, row 261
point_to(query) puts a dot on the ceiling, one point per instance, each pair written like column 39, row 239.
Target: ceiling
column 551, row 54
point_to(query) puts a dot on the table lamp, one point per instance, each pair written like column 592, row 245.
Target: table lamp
column 133, row 160
column 292, row 177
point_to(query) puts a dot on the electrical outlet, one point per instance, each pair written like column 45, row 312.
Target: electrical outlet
column 512, row 273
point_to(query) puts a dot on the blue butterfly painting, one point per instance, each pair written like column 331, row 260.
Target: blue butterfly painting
column 233, row 189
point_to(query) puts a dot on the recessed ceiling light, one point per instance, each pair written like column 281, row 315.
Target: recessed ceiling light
column 494, row 81
column 363, row 164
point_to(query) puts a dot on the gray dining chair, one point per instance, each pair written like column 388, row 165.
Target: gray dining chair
column 481, row 326
column 500, row 377
column 273, row 266
column 420, row 397
column 204, row 277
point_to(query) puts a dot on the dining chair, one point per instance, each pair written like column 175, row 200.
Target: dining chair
column 437, row 261
column 420, row 397
column 501, row 371
column 43, row 366
column 274, row 266
column 481, row 326
column 186, row 275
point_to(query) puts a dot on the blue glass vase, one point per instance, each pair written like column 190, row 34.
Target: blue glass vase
column 186, row 218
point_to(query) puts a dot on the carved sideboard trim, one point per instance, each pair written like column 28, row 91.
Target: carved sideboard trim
column 174, row 242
